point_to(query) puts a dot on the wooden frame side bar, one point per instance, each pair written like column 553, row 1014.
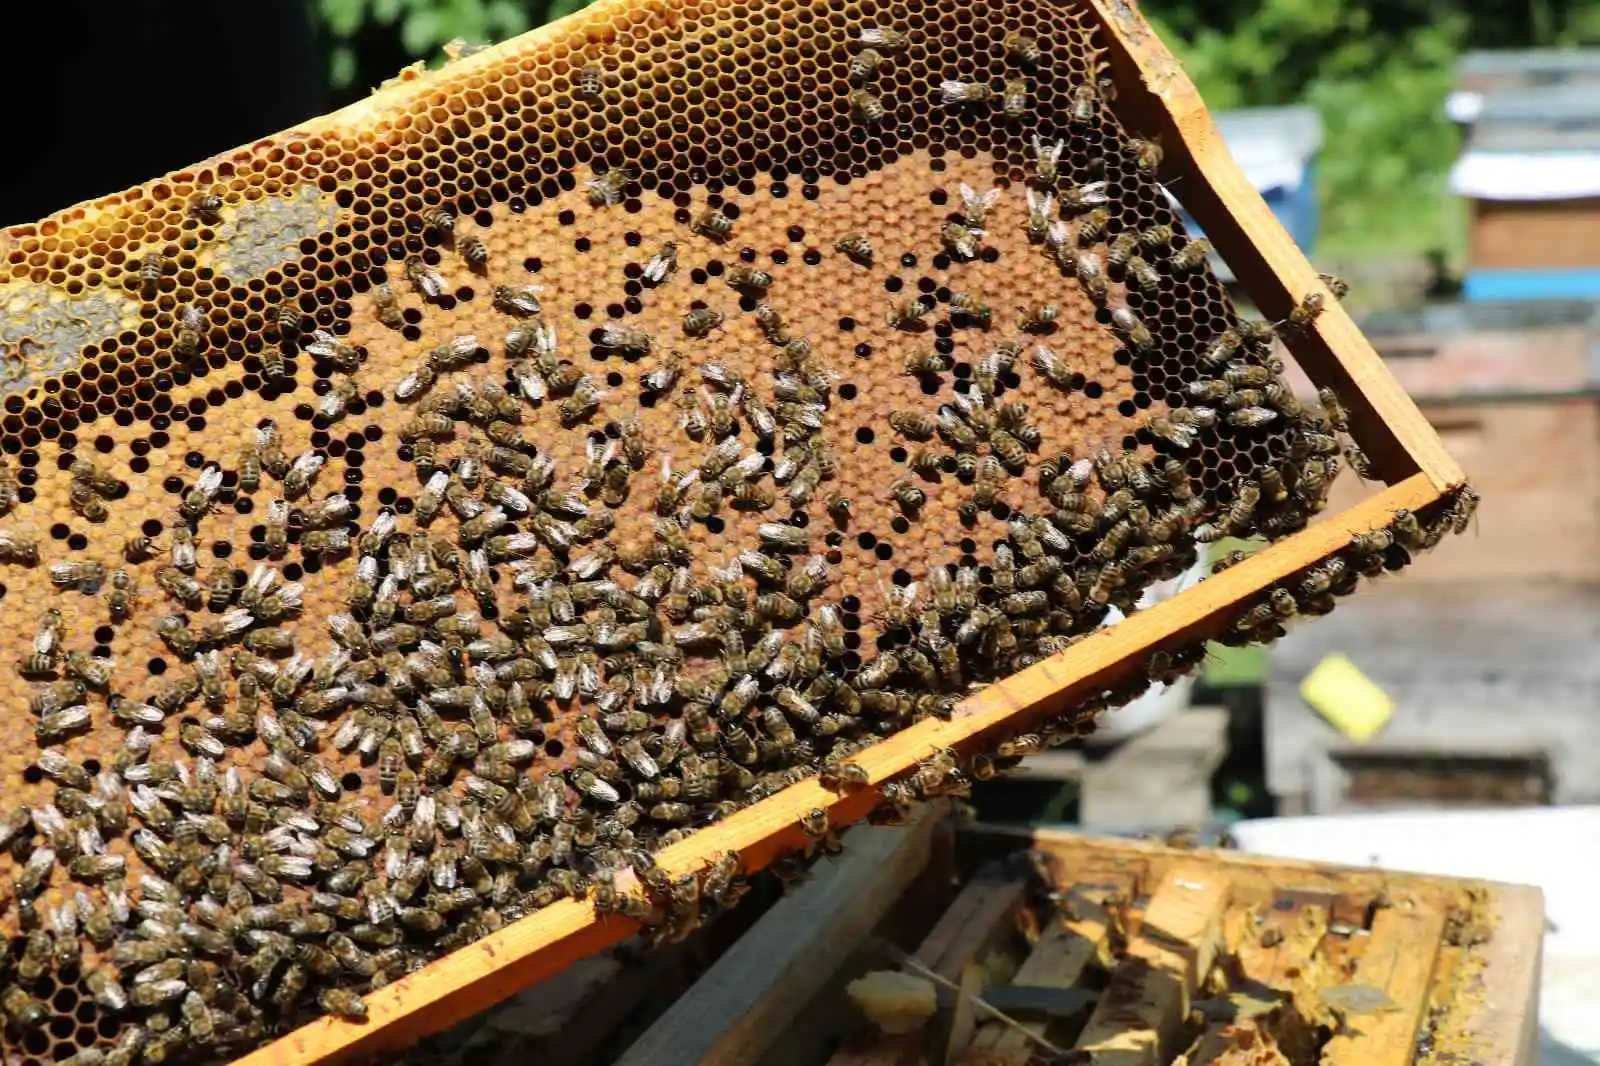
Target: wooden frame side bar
column 483, row 973
column 1154, row 90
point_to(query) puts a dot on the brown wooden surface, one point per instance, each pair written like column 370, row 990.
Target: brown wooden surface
column 1497, row 1020
column 1140, row 1017
column 1069, row 946
column 755, row 990
column 1386, row 423
column 1256, row 879
column 1534, row 235
column 1399, row 960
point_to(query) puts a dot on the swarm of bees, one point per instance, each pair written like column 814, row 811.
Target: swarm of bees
column 253, row 889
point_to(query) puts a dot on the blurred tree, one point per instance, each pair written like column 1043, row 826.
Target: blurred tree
column 1378, row 71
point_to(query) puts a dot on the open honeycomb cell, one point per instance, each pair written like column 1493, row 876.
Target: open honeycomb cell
column 420, row 548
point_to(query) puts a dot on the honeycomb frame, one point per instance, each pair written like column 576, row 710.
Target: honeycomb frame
column 1417, row 471
column 1153, row 96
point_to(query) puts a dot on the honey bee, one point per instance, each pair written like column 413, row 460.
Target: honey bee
column 622, row 339
column 975, row 206
column 1178, row 435
column 206, row 207
column 864, row 64
column 1143, row 275
column 189, row 337
column 1250, row 417
column 388, row 307
column 198, row 501
column 58, row 724
column 473, row 250
column 151, row 266
column 1082, row 197
column 583, row 402
column 908, row 495
column 86, row 577
column 18, row 548
column 856, row 247
column 1039, row 318
column 955, row 93
column 608, row 188
column 326, row 346
column 701, row 321
column 971, row 307
column 1022, row 49
column 1333, row 410
column 868, row 107
column 928, row 363
column 1046, row 161
column 882, row 38
column 429, row 283
column 1014, row 98
column 713, row 224
column 961, row 240
column 273, row 365
column 100, row 481
column 1147, row 155
column 521, row 303
column 9, row 493
column 1128, row 327
column 302, row 472
column 906, row 314
column 342, row 1003
column 24, row 1012
column 1305, row 312
column 86, row 503
column 660, row 265
column 1190, row 257
column 590, row 82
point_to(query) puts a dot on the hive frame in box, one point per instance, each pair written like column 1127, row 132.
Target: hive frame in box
column 1408, row 456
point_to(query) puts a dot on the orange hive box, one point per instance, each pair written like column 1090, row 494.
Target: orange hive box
column 300, row 301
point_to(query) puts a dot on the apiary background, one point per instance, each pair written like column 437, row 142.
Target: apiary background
column 320, row 215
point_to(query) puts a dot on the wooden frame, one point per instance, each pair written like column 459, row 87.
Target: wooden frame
column 1152, row 920
column 1155, row 94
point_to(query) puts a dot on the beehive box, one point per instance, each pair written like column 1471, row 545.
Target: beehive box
column 1110, row 952
column 330, row 311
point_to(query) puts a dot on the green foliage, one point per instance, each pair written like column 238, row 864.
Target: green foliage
column 425, row 26
column 1378, row 71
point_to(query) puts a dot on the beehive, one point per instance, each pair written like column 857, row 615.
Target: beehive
column 754, row 113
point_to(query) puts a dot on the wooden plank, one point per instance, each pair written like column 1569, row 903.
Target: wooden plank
column 975, row 922
column 1069, row 945
column 756, row 989
column 1271, row 268
column 1400, row 960
column 1256, row 879
column 1140, row 1017
column 1498, row 1020
column 1281, row 952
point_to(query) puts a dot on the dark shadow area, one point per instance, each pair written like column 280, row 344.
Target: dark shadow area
column 108, row 95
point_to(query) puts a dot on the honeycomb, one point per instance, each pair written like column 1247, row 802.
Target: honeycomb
column 223, row 389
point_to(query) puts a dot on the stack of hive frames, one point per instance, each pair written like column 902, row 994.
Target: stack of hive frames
column 338, row 195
